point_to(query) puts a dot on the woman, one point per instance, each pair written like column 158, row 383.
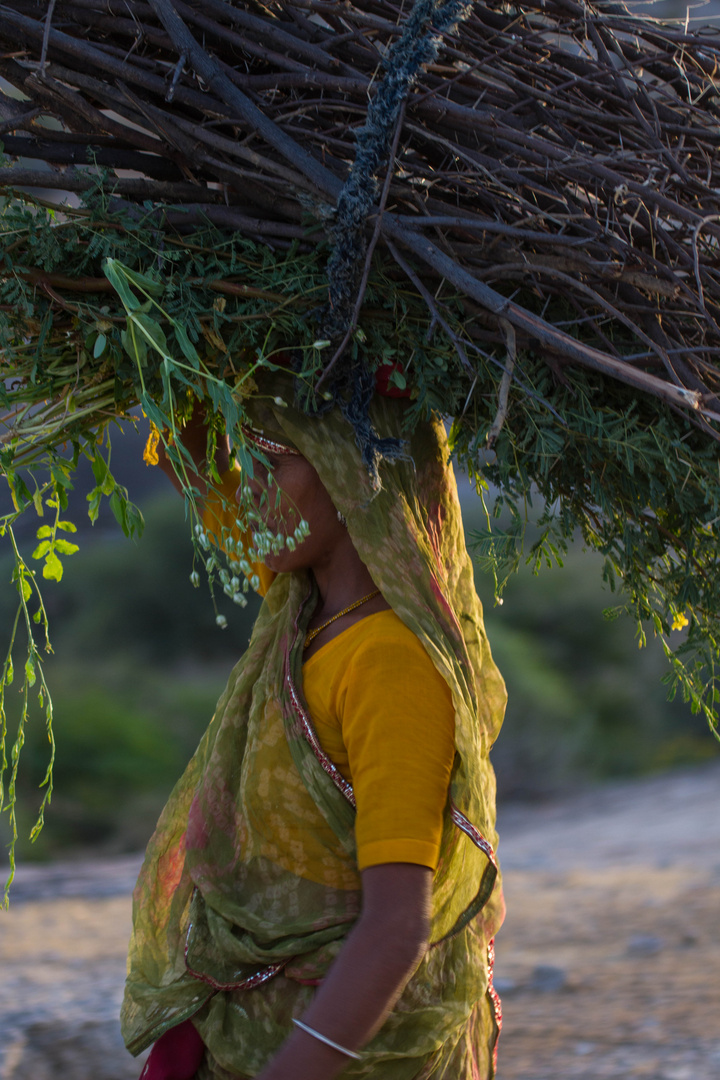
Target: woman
column 320, row 894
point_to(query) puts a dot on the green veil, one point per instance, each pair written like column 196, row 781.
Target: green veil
column 227, row 928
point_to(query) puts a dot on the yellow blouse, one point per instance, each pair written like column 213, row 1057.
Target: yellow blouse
column 385, row 718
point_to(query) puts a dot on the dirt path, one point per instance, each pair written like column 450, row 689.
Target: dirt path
column 609, row 963
column 610, row 956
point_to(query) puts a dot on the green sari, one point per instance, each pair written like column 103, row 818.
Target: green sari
column 227, row 928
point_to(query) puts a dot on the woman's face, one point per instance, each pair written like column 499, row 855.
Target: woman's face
column 289, row 493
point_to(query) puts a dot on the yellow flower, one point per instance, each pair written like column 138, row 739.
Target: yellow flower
column 680, row 622
column 150, row 454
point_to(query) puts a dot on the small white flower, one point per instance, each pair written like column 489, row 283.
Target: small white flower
column 290, row 543
column 221, row 621
column 279, row 401
column 255, row 582
column 195, row 579
column 238, row 598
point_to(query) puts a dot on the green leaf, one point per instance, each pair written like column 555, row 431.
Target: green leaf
column 115, row 273
column 151, row 330
column 65, row 547
column 99, row 347
column 134, row 520
column 38, row 503
column 99, row 468
column 143, row 281
column 189, row 351
column 134, row 345
column 43, row 531
column 66, row 526
column 30, row 671
column 153, row 413
column 24, row 588
column 41, row 550
column 53, row 569
column 118, row 507
column 61, row 476
column 94, row 499
column 9, row 671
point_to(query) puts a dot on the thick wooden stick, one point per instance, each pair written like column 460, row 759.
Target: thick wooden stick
column 210, row 72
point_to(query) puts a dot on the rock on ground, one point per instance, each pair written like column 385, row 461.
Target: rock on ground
column 609, row 962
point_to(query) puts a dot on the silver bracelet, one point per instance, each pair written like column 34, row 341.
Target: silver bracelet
column 328, row 1042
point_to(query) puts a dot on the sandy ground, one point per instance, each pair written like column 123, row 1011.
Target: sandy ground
column 609, row 962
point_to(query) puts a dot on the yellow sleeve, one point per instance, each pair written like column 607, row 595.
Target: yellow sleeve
column 398, row 725
column 218, row 515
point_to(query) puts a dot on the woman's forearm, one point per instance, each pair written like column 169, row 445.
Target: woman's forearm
column 381, row 953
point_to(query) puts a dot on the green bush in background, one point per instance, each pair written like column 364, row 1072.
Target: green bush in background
column 584, row 702
column 139, row 664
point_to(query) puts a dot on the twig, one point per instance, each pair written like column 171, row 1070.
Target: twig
column 538, row 328
column 432, row 307
column 696, row 260
column 15, row 122
column 508, row 331
column 179, row 67
column 46, row 37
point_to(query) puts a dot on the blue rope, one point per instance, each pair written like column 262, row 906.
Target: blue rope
column 353, row 385
column 418, row 45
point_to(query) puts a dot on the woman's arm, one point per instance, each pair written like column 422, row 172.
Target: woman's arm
column 382, row 951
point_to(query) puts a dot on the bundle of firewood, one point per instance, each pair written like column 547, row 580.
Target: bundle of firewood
column 554, row 156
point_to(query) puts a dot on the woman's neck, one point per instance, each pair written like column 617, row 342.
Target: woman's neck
column 342, row 578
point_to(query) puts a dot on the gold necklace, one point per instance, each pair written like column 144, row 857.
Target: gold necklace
column 312, row 634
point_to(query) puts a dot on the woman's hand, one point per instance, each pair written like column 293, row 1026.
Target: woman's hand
column 382, row 951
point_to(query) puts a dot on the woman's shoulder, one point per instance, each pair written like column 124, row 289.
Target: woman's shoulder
column 383, row 638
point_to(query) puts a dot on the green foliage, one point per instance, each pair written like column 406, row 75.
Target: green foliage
column 584, row 703
column 126, row 723
column 641, row 486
